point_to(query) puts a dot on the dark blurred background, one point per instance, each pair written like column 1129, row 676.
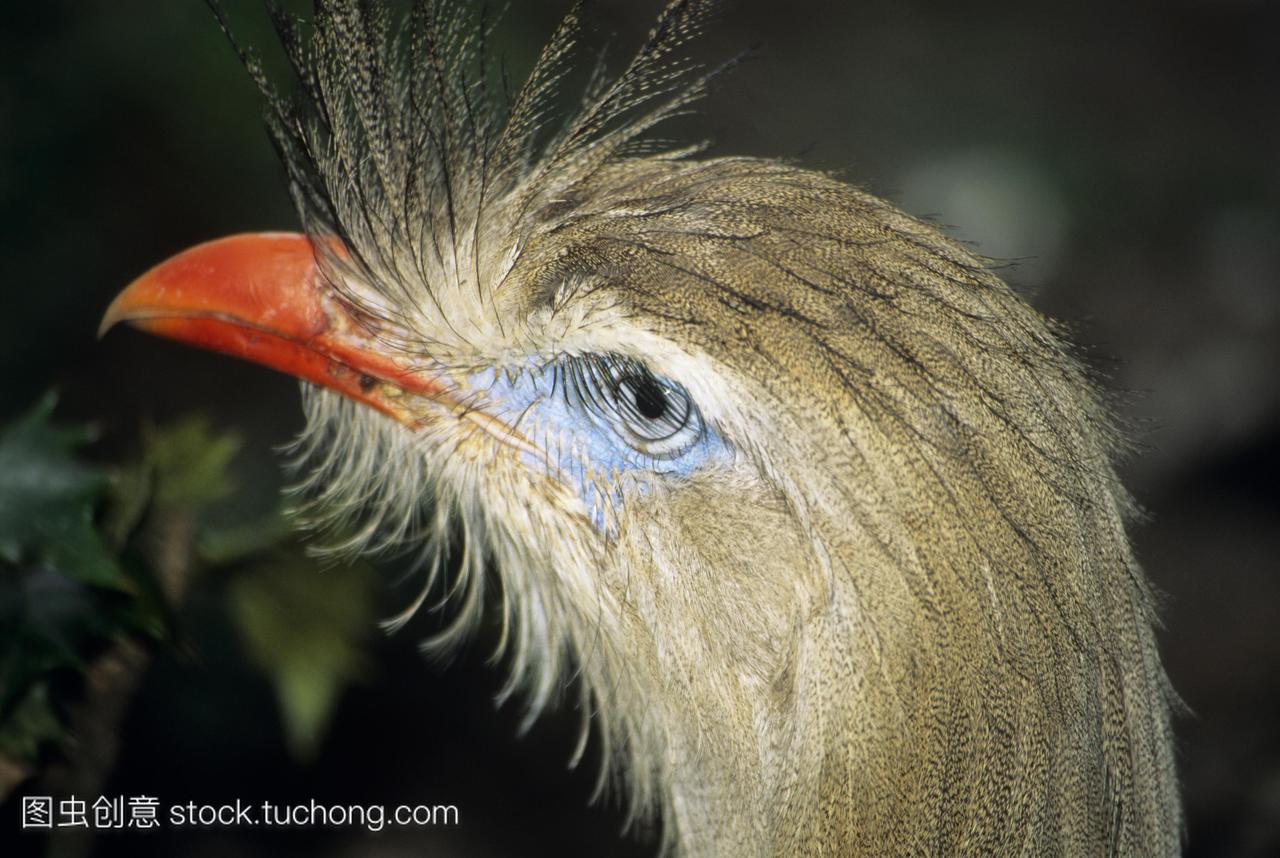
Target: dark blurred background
column 1121, row 160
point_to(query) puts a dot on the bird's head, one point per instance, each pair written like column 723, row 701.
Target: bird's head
column 725, row 428
column 521, row 343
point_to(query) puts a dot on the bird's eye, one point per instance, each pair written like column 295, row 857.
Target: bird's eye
column 646, row 395
column 655, row 416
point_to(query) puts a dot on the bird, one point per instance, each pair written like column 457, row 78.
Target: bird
column 818, row 517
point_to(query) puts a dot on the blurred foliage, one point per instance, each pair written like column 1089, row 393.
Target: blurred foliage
column 47, row 501
column 189, row 463
column 60, row 595
column 308, row 638
column 91, row 556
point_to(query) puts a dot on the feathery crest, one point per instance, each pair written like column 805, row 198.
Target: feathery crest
column 395, row 142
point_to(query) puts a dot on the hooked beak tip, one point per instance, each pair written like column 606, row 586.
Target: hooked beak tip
column 112, row 317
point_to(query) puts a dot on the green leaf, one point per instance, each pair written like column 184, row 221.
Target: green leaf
column 32, row 723
column 129, row 498
column 190, row 463
column 47, row 500
column 308, row 631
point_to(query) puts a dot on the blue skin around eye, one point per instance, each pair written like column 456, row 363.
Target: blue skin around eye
column 579, row 442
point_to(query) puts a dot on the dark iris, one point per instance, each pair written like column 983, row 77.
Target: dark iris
column 650, row 399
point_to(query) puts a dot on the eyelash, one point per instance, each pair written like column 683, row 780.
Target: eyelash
column 622, row 392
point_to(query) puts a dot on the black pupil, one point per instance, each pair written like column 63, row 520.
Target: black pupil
column 650, row 398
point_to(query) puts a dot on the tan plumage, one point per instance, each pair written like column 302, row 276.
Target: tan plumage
column 899, row 616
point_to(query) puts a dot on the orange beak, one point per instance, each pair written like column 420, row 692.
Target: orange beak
column 262, row 297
